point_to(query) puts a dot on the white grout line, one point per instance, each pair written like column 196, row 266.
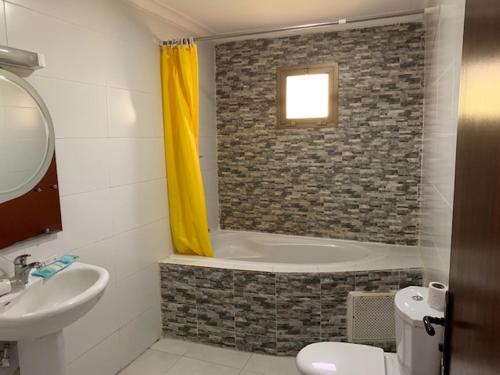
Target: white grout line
column 246, row 363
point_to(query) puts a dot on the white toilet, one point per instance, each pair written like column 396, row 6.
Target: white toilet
column 417, row 352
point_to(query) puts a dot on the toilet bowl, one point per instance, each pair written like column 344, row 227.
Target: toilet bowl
column 325, row 358
column 417, row 352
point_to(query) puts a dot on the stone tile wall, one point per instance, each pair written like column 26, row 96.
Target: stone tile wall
column 265, row 312
column 359, row 180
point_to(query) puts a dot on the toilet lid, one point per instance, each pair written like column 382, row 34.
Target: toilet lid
column 338, row 358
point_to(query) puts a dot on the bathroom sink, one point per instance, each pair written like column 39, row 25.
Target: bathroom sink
column 45, row 307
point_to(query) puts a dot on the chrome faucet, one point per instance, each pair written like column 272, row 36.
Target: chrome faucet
column 22, row 270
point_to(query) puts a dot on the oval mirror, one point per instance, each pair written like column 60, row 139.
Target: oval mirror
column 26, row 137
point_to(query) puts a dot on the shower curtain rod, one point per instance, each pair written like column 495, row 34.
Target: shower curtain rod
column 310, row 26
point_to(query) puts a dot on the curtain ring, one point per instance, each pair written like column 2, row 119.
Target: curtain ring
column 186, row 41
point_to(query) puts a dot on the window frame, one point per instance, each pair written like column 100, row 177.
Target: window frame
column 332, row 69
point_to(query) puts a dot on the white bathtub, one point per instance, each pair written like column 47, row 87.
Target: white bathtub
column 283, row 253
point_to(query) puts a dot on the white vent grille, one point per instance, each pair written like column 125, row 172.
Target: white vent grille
column 370, row 317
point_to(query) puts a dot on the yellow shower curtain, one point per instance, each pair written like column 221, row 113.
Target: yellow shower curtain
column 188, row 216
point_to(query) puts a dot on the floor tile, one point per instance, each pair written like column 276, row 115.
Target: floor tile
column 170, row 356
column 219, row 356
column 189, row 366
column 172, row 346
column 270, row 365
column 152, row 362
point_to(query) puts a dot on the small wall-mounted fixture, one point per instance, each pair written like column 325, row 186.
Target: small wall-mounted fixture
column 18, row 58
column 307, row 96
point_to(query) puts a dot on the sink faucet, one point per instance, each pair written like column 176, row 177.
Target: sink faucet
column 22, row 270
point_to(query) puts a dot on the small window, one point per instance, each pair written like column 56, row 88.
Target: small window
column 307, row 96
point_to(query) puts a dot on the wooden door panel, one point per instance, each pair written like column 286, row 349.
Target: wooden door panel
column 474, row 335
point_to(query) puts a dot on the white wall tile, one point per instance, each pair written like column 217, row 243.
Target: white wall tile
column 135, row 160
column 208, row 146
column 77, row 110
column 102, row 88
column 212, row 213
column 39, row 247
column 3, row 34
column 136, row 292
column 71, row 52
column 137, row 205
column 82, row 165
column 206, row 58
column 139, row 335
column 444, row 31
column 210, row 183
column 134, row 114
column 208, row 156
column 107, row 16
column 439, row 168
column 208, row 132
column 161, row 30
column 142, row 70
column 86, row 219
column 98, row 324
column 102, row 359
column 139, row 248
column 101, row 253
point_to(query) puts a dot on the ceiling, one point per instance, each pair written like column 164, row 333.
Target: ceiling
column 221, row 16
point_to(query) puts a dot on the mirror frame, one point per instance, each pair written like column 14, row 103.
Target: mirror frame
column 36, row 178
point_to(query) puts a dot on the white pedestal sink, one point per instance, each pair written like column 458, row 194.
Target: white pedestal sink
column 36, row 315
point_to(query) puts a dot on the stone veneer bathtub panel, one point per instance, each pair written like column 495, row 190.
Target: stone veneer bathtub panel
column 359, row 180
column 266, row 312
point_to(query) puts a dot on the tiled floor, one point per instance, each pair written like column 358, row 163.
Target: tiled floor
column 176, row 357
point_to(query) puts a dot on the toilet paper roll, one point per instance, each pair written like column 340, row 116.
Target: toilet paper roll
column 437, row 296
column 5, row 287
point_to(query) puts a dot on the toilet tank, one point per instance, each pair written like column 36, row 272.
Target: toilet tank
column 418, row 353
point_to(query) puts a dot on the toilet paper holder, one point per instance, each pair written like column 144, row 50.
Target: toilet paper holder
column 430, row 321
